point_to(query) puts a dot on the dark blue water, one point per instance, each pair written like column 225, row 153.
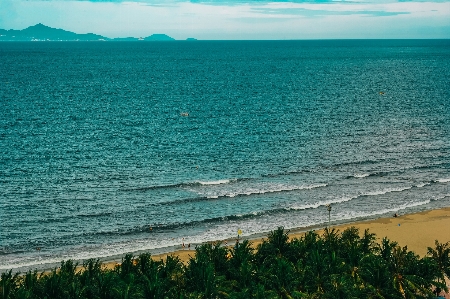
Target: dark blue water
column 108, row 148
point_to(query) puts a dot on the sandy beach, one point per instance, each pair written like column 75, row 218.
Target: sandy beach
column 418, row 231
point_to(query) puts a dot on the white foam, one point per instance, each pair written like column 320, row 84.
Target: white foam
column 388, row 190
column 272, row 189
column 211, row 234
column 323, row 203
column 218, row 182
column 245, row 189
column 441, row 197
column 347, row 198
column 115, row 250
column 361, row 175
column 443, row 180
column 422, row 185
column 385, row 211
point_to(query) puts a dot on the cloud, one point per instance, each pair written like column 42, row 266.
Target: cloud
column 7, row 12
column 317, row 13
column 248, row 20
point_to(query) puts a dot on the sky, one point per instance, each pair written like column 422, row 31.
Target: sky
column 236, row 20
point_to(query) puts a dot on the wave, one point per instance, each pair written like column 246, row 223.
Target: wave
column 156, row 228
column 388, row 190
column 265, row 191
column 362, row 162
column 347, row 198
column 446, row 180
column 218, row 182
column 185, row 184
column 159, row 228
column 373, row 174
column 158, row 187
column 361, row 175
column 302, row 207
column 440, row 197
column 322, row 203
column 421, row 185
column 7, row 251
column 238, row 194
column 291, row 172
column 344, row 164
column 386, row 211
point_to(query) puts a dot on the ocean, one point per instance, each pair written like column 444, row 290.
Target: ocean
column 115, row 147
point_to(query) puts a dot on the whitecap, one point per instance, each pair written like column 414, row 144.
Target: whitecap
column 217, row 182
column 361, row 175
column 386, row 211
column 446, row 180
column 323, row 203
column 422, row 185
column 389, row 190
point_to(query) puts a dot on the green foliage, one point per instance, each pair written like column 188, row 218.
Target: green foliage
column 333, row 265
column 441, row 256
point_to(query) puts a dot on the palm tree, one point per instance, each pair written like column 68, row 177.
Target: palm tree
column 172, row 276
column 54, row 286
column 281, row 276
column 375, row 277
column 105, row 284
column 331, row 240
column 329, row 266
column 150, row 274
column 241, row 265
column 128, row 288
column 441, row 255
column 367, row 243
column 206, row 271
column 277, row 244
column 406, row 281
column 30, row 286
column 90, row 276
column 316, row 272
column 8, row 284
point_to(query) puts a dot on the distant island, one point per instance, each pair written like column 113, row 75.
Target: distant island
column 40, row 32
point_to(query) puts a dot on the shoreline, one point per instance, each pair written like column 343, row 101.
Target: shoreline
column 417, row 231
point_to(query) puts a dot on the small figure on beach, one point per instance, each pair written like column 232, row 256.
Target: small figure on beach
column 395, row 215
column 189, row 246
column 182, row 245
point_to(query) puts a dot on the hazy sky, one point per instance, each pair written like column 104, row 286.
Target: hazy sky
column 230, row 19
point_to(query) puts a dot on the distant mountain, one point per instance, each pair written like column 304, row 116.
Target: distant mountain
column 40, row 32
column 159, row 37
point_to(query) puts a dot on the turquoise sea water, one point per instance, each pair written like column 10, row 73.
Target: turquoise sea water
column 107, row 148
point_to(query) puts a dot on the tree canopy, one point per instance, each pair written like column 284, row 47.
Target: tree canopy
column 332, row 265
